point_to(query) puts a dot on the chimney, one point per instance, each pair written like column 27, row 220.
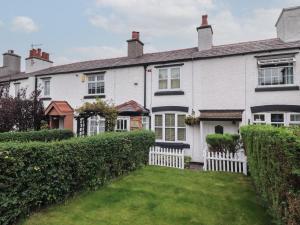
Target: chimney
column 11, row 63
column 37, row 60
column 205, row 35
column 288, row 24
column 135, row 46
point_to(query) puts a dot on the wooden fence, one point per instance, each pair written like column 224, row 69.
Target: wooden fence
column 169, row 157
column 225, row 161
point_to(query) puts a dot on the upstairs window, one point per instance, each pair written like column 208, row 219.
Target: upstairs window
column 169, row 78
column 276, row 72
column 46, row 87
column 96, row 84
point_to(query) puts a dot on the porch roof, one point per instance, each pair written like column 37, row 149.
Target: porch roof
column 132, row 108
column 59, row 108
column 221, row 115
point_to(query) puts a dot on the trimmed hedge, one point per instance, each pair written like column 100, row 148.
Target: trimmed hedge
column 223, row 142
column 42, row 135
column 36, row 174
column 274, row 162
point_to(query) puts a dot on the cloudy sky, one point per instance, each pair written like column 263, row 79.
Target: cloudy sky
column 75, row 30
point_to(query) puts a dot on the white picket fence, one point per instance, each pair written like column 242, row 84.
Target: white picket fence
column 225, row 161
column 169, row 157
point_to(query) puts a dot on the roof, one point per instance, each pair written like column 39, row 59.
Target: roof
column 13, row 77
column 61, row 108
column 131, row 107
column 221, row 115
column 187, row 54
column 286, row 9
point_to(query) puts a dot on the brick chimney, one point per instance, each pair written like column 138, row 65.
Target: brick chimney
column 205, row 35
column 135, row 46
column 37, row 60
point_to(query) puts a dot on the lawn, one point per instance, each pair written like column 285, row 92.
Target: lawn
column 162, row 196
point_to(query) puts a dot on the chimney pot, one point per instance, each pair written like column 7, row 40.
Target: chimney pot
column 135, row 35
column 10, row 51
column 204, row 21
column 39, row 52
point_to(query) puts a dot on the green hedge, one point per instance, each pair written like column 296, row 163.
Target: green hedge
column 274, row 162
column 37, row 174
column 42, row 135
column 223, row 142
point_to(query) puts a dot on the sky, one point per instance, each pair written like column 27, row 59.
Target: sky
column 78, row 30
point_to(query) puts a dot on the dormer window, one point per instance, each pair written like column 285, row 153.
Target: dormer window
column 274, row 72
column 169, row 78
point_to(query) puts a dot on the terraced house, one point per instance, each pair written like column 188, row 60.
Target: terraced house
column 223, row 87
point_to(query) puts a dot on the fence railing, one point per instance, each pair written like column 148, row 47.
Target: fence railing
column 169, row 157
column 225, row 161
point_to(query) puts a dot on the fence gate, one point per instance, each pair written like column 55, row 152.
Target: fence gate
column 169, row 157
column 225, row 161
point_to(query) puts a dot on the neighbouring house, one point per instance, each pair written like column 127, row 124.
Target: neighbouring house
column 223, row 86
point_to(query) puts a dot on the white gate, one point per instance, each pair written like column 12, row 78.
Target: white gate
column 225, row 161
column 170, row 157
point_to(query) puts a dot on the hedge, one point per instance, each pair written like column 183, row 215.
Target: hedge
column 42, row 135
column 37, row 174
column 223, row 142
column 274, row 162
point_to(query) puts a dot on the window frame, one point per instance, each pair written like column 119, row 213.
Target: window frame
column 17, row 87
column 163, row 127
column 293, row 123
column 278, row 123
column 45, row 89
column 95, row 82
column 169, row 78
column 261, row 122
column 123, row 118
column 98, row 120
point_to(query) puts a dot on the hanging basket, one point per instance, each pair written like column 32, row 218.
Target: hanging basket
column 192, row 120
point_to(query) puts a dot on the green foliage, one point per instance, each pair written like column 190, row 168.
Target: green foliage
column 42, row 135
column 273, row 159
column 37, row 174
column 223, row 142
column 187, row 161
column 191, row 120
column 101, row 108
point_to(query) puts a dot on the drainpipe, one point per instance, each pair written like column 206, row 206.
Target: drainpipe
column 35, row 104
column 145, row 85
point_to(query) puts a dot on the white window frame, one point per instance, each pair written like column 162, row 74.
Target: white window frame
column 292, row 123
column 145, row 122
column 169, row 78
column 274, row 62
column 122, row 119
column 45, row 94
column 279, row 123
column 98, row 121
column 164, row 127
column 17, row 88
column 259, row 121
column 95, row 82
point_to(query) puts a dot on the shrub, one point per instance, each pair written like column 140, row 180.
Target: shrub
column 37, row 174
column 42, row 135
column 223, row 142
column 273, row 159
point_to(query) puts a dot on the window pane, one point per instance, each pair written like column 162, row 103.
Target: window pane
column 163, row 84
column 170, row 134
column 175, row 83
column 158, row 133
column 181, row 134
column 175, row 73
column 91, row 78
column 181, row 120
column 295, row 117
column 259, row 117
column 163, row 74
column 46, row 87
column 277, row 118
column 170, row 120
column 100, row 77
column 158, row 120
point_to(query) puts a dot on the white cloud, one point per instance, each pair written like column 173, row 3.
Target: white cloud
column 24, row 24
column 1, row 23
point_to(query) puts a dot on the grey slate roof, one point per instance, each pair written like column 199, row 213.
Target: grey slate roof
column 251, row 47
column 13, row 77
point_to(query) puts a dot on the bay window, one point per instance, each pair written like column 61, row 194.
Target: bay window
column 276, row 72
column 96, row 84
column 170, row 127
column 295, row 119
column 259, row 119
column 169, row 78
column 277, row 119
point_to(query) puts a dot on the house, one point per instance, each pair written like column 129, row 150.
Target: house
column 223, row 86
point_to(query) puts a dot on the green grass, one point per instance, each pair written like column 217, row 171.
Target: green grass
column 162, row 196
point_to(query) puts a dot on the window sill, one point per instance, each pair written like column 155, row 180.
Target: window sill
column 46, row 98
column 93, row 96
column 172, row 145
column 281, row 88
column 164, row 93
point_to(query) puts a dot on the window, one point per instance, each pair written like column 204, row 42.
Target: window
column 47, row 87
column 17, row 89
column 145, row 122
column 219, row 129
column 276, row 72
column 170, row 127
column 277, row 119
column 123, row 124
column 295, row 119
column 259, row 119
column 96, row 84
column 96, row 125
column 169, row 78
